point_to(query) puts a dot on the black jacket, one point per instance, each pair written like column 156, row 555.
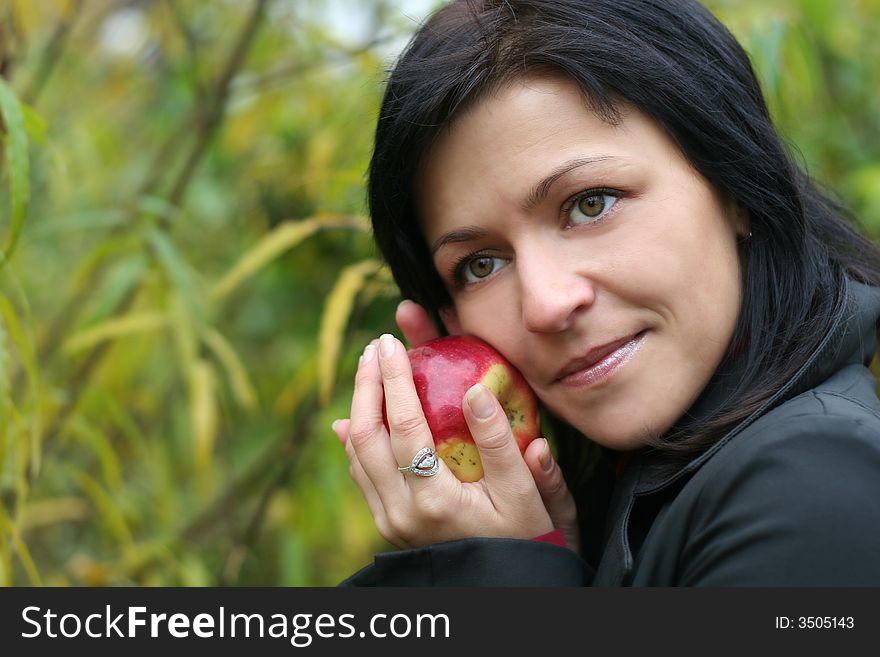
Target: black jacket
column 789, row 497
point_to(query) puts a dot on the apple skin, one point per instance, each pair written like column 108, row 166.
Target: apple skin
column 444, row 369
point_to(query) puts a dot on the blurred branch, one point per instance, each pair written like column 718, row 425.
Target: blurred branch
column 79, row 380
column 192, row 45
column 282, row 74
column 214, row 108
column 161, row 162
column 214, row 115
column 53, row 53
column 280, row 459
column 284, row 453
column 240, row 550
column 273, row 469
column 10, row 41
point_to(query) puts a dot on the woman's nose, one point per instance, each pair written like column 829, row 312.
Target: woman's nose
column 552, row 292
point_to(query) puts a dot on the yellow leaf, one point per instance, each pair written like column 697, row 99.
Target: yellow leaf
column 204, row 411
column 5, row 396
column 5, row 561
column 334, row 319
column 185, row 335
column 54, row 510
column 319, row 160
column 15, row 543
column 242, row 387
column 381, row 285
column 17, row 336
column 270, row 246
column 117, row 327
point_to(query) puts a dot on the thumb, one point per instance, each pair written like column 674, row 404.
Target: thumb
column 499, row 452
column 557, row 499
column 415, row 323
column 340, row 428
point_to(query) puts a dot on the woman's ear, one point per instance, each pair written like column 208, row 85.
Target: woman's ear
column 450, row 320
column 741, row 221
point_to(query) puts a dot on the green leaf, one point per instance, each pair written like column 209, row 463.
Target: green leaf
column 97, row 441
column 120, row 280
column 178, row 271
column 119, row 416
column 156, row 206
column 27, row 357
column 109, row 513
column 297, row 389
column 19, row 166
column 34, row 124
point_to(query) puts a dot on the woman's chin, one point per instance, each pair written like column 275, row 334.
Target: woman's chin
column 623, row 431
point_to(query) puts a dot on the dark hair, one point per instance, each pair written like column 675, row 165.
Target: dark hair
column 676, row 63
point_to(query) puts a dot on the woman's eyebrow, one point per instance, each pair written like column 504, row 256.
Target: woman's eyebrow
column 461, row 235
column 539, row 192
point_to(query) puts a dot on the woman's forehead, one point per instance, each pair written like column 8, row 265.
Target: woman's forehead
column 526, row 130
column 533, row 142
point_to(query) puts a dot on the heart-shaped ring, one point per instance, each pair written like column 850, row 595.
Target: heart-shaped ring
column 424, row 464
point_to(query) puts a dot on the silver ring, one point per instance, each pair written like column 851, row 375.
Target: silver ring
column 424, row 464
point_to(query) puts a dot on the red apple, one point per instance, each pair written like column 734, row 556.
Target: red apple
column 443, row 371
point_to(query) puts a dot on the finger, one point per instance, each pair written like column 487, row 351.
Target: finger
column 503, row 465
column 340, row 428
column 415, row 323
column 554, row 491
column 374, row 502
column 406, row 420
column 367, row 433
column 357, row 473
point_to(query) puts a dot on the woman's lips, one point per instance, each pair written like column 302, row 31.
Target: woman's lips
column 578, row 375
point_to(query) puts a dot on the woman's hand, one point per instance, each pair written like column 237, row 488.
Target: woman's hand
column 546, row 475
column 412, row 511
column 415, row 323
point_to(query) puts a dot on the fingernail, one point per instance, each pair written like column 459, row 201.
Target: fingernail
column 545, row 458
column 386, row 345
column 333, row 426
column 403, row 303
column 369, row 352
column 481, row 402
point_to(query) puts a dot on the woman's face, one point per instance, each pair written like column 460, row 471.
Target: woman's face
column 561, row 237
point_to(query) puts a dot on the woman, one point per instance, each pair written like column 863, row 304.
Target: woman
column 596, row 188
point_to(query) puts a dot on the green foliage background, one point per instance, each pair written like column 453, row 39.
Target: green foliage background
column 191, row 277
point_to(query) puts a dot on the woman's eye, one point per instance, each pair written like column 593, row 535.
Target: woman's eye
column 480, row 267
column 590, row 206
